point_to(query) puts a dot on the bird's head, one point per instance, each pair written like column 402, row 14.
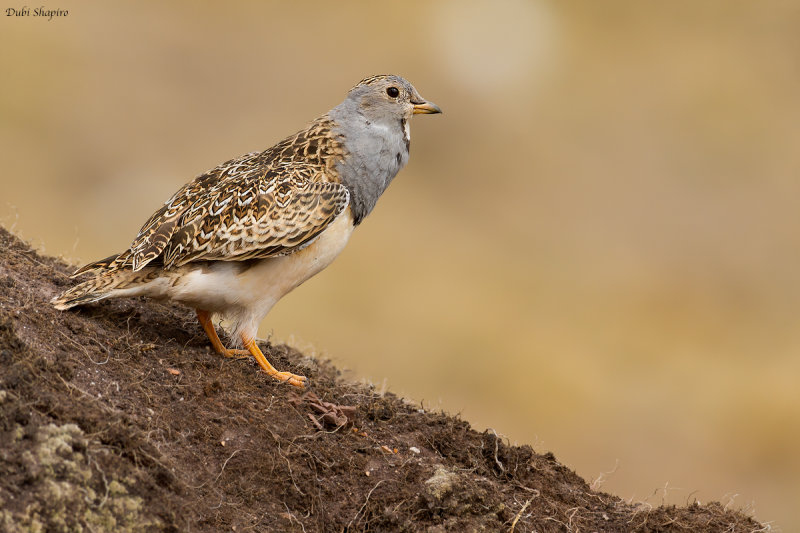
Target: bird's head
column 388, row 97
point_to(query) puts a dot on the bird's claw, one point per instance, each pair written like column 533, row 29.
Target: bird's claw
column 292, row 379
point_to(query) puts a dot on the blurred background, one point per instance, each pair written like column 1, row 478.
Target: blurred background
column 593, row 251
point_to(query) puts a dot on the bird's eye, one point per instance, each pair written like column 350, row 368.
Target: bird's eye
column 393, row 92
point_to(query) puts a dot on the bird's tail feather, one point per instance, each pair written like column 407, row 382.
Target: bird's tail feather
column 104, row 285
column 91, row 290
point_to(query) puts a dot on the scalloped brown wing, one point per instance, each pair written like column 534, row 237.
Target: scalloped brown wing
column 102, row 264
column 157, row 232
column 258, row 205
column 253, row 223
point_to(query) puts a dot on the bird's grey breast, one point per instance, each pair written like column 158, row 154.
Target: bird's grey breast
column 376, row 151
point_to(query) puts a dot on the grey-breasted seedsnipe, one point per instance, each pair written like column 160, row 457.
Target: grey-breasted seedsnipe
column 239, row 237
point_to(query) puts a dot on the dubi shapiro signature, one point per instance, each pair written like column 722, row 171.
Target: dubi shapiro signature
column 37, row 12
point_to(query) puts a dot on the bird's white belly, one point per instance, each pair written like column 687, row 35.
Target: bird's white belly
column 226, row 287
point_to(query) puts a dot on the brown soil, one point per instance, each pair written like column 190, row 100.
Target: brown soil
column 118, row 417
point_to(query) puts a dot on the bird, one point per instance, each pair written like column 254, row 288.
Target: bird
column 236, row 239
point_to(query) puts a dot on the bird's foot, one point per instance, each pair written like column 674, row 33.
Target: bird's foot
column 292, row 379
column 287, row 377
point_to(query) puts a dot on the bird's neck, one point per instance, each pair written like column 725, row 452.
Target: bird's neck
column 376, row 151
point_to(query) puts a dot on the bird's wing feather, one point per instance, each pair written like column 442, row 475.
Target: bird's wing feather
column 156, row 233
column 248, row 211
column 261, row 204
column 102, row 264
column 258, row 222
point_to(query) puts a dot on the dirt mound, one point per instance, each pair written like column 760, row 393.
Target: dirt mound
column 118, row 417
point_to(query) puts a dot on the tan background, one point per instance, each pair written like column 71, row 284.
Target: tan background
column 594, row 250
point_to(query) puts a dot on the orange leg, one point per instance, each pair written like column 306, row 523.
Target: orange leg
column 292, row 379
column 251, row 349
column 205, row 320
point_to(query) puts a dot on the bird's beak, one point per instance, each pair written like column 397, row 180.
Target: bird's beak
column 425, row 107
